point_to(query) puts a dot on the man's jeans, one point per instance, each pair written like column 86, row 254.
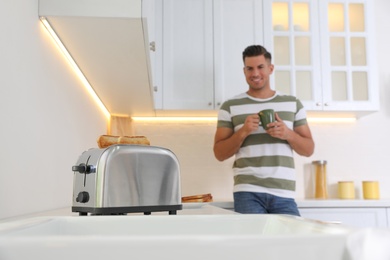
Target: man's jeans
column 263, row 203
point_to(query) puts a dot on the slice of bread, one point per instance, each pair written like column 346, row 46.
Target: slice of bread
column 106, row 140
column 137, row 139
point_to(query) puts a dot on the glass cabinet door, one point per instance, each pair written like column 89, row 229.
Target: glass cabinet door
column 321, row 52
column 293, row 40
column 345, row 40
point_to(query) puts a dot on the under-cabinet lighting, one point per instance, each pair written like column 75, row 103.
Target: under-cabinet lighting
column 75, row 67
column 214, row 119
column 175, row 119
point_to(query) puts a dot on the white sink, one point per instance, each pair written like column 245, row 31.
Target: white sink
column 229, row 236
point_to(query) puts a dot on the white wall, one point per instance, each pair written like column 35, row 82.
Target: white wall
column 48, row 120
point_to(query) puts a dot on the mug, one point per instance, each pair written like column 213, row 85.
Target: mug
column 371, row 190
column 266, row 116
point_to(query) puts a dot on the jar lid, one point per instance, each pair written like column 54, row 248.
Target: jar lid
column 319, row 162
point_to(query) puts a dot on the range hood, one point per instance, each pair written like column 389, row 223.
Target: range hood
column 108, row 40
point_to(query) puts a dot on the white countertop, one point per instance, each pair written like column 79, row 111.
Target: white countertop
column 226, row 207
column 325, row 203
column 188, row 209
column 338, row 203
column 229, row 236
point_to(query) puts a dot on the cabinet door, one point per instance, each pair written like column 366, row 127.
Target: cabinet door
column 322, row 53
column 188, row 74
column 150, row 19
column 388, row 217
column 347, row 42
column 237, row 24
column 292, row 36
column 355, row 217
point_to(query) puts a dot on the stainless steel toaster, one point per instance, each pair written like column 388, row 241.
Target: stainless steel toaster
column 123, row 179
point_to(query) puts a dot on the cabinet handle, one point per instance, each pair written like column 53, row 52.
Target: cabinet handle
column 326, row 104
column 210, row 104
column 318, row 104
column 152, row 46
column 155, row 88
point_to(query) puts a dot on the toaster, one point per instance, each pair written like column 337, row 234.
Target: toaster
column 125, row 178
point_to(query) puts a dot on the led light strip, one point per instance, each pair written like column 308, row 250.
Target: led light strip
column 174, row 119
column 75, row 67
column 214, row 119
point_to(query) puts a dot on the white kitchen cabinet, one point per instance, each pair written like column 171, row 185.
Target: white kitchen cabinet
column 323, row 52
column 356, row 217
column 187, row 54
column 237, row 24
column 388, row 217
column 202, row 44
column 154, row 31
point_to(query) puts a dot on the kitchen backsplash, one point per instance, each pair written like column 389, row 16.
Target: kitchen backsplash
column 350, row 157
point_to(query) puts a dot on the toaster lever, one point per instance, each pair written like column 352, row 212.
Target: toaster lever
column 83, row 168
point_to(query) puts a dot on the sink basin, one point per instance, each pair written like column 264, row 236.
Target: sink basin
column 229, row 236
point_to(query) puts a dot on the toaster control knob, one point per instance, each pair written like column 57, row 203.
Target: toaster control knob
column 83, row 168
column 83, row 197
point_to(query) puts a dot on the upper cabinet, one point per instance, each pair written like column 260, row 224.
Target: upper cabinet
column 201, row 46
column 187, row 46
column 237, row 24
column 322, row 51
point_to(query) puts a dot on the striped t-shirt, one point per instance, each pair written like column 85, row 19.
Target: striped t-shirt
column 263, row 163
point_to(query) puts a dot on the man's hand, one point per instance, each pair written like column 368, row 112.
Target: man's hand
column 227, row 142
column 251, row 123
column 278, row 129
column 300, row 139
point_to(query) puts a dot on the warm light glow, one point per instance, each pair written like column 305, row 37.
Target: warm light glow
column 331, row 119
column 280, row 16
column 176, row 119
column 75, row 67
column 214, row 119
column 336, row 17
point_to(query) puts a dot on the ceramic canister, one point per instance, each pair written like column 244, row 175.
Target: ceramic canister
column 371, row 190
column 346, row 190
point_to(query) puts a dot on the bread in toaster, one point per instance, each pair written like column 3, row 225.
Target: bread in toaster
column 136, row 139
column 106, row 140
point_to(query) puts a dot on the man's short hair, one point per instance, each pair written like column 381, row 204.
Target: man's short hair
column 256, row 50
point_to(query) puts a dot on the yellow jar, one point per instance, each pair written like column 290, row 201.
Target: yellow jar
column 321, row 184
column 371, row 190
column 346, row 190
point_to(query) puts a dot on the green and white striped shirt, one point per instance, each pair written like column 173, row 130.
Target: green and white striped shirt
column 263, row 163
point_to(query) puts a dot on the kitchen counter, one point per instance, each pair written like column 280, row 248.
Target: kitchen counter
column 226, row 207
column 355, row 213
column 61, row 234
column 188, row 209
column 200, row 230
column 328, row 203
column 335, row 203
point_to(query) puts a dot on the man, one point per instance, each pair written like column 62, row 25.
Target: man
column 264, row 171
